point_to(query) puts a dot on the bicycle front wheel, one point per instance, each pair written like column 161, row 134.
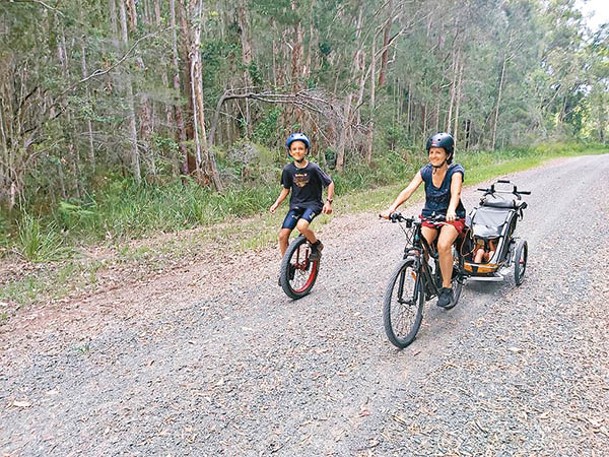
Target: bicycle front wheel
column 403, row 304
column 298, row 273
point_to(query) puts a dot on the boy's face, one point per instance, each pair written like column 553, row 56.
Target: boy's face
column 437, row 156
column 298, row 151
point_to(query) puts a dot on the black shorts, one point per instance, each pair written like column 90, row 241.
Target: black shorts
column 291, row 219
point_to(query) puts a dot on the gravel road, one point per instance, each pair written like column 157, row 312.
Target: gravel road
column 233, row 367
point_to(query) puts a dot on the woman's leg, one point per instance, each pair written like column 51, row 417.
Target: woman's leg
column 448, row 235
column 429, row 234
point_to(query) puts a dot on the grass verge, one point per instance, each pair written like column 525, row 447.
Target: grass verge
column 85, row 272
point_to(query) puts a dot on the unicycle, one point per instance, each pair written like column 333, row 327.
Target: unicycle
column 298, row 273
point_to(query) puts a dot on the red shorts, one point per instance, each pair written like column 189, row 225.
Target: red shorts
column 459, row 224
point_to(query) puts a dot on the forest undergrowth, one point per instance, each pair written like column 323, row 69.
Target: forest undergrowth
column 126, row 230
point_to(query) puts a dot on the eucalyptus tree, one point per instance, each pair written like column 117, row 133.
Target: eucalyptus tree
column 597, row 79
column 44, row 66
column 562, row 64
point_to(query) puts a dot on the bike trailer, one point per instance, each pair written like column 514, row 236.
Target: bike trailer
column 494, row 221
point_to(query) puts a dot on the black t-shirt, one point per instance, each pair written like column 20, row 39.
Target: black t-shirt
column 306, row 185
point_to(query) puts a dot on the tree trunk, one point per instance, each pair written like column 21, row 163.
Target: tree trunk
column 297, row 52
column 453, row 87
column 499, row 94
column 370, row 138
column 348, row 111
column 206, row 163
column 132, row 125
column 386, row 38
column 145, row 108
column 246, row 57
column 342, row 142
column 181, row 136
column 88, row 95
column 158, row 18
column 455, row 130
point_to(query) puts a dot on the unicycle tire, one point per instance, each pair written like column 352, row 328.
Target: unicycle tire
column 298, row 273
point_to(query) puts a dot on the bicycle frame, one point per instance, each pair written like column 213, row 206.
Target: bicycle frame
column 414, row 282
column 419, row 249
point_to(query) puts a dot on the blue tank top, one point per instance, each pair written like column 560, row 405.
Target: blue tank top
column 437, row 199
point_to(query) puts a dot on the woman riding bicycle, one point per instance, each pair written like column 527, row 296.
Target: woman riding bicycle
column 443, row 182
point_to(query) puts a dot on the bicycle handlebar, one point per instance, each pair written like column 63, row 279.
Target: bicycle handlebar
column 491, row 190
column 438, row 218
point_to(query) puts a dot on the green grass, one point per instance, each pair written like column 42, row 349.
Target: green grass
column 38, row 244
column 235, row 218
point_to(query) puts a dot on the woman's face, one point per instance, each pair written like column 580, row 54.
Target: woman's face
column 437, row 156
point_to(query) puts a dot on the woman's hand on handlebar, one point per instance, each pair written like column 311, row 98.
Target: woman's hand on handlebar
column 386, row 214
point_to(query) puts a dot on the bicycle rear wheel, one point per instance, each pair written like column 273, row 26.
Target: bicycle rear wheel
column 403, row 304
column 297, row 273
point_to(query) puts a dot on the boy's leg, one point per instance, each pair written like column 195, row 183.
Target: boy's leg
column 479, row 255
column 284, row 237
column 303, row 227
column 289, row 222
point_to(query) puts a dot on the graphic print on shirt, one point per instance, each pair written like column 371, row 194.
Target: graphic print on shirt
column 301, row 179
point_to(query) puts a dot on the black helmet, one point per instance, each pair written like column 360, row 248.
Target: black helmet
column 442, row 140
column 298, row 137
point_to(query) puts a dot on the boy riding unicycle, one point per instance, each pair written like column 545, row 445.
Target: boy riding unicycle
column 304, row 181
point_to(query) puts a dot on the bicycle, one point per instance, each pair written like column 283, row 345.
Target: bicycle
column 298, row 273
column 415, row 280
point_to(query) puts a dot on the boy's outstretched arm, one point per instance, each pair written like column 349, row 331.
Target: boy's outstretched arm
column 282, row 196
column 328, row 203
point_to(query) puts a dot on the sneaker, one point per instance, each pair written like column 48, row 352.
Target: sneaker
column 316, row 249
column 446, row 297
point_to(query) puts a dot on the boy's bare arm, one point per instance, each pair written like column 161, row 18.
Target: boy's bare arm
column 328, row 203
column 282, row 196
column 331, row 191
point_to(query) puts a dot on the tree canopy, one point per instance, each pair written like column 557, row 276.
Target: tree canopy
column 156, row 89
